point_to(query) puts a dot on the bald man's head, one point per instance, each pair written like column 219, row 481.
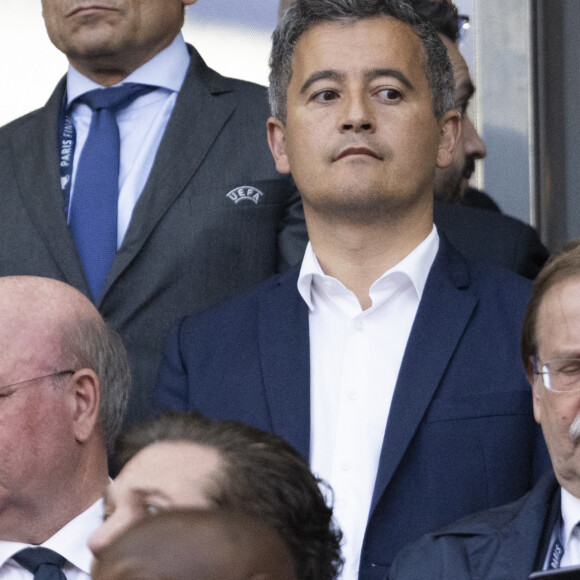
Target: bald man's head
column 63, row 387
column 34, row 312
column 49, row 325
column 205, row 545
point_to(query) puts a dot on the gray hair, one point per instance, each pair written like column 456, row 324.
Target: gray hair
column 303, row 15
column 93, row 344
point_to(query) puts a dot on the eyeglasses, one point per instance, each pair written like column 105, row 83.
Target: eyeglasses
column 58, row 374
column 559, row 375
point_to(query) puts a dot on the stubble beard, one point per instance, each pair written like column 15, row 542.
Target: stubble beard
column 364, row 208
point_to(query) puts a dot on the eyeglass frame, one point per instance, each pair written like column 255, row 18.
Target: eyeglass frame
column 57, row 374
column 546, row 378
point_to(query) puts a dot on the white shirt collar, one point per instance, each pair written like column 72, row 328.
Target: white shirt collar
column 167, row 69
column 71, row 541
column 570, row 514
column 414, row 267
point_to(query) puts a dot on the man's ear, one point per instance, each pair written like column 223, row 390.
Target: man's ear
column 449, row 133
column 277, row 142
column 85, row 396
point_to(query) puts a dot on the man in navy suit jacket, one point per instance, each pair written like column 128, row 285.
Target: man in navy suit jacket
column 386, row 359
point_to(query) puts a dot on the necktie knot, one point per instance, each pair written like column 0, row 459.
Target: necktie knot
column 41, row 562
column 114, row 99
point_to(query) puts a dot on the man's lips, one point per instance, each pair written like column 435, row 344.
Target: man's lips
column 349, row 151
column 87, row 8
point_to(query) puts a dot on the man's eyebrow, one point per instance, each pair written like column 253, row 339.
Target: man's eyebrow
column 368, row 76
column 145, row 491
column 320, row 75
column 388, row 72
column 564, row 354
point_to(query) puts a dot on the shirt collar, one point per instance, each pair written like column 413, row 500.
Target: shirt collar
column 71, row 541
column 167, row 69
column 414, row 267
column 570, row 514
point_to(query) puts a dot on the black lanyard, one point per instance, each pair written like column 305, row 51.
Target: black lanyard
column 557, row 550
column 67, row 141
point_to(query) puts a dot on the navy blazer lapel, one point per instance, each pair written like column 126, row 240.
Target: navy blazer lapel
column 285, row 355
column 520, row 547
column 196, row 121
column 444, row 311
column 39, row 185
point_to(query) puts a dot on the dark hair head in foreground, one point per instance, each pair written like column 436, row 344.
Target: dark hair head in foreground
column 258, row 474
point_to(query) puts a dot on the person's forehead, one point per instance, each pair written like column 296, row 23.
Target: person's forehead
column 28, row 343
column 559, row 314
column 379, row 42
column 170, row 461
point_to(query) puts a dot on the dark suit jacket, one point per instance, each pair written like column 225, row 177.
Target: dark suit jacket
column 505, row 543
column 492, row 237
column 477, row 198
column 460, row 435
column 188, row 245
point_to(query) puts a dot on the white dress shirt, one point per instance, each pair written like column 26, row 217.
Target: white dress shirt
column 70, row 542
column 355, row 357
column 141, row 124
column 570, row 533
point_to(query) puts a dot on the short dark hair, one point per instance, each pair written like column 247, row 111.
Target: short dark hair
column 560, row 267
column 263, row 477
column 442, row 14
column 302, row 15
column 91, row 343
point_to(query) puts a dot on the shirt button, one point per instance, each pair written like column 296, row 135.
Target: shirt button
column 346, row 465
column 358, row 325
column 352, row 395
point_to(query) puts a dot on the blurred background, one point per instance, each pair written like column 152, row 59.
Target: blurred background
column 524, row 58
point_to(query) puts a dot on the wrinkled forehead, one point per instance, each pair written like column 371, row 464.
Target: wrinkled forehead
column 558, row 318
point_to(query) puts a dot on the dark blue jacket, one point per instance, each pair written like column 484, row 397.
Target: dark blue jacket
column 460, row 435
column 505, row 543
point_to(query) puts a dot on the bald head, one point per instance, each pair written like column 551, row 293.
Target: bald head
column 49, row 326
column 58, row 363
column 206, row 545
column 34, row 312
column 45, row 294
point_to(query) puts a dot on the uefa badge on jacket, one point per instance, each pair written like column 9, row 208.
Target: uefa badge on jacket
column 245, row 193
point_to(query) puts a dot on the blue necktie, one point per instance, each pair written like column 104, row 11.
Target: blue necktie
column 42, row 562
column 93, row 211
